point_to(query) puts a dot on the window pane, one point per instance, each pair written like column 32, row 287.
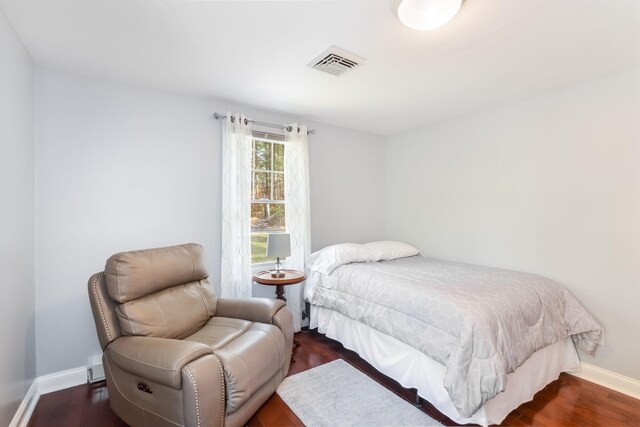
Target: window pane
column 278, row 157
column 259, row 248
column 278, row 186
column 257, row 215
column 262, row 153
column 267, row 217
column 262, row 185
column 276, row 218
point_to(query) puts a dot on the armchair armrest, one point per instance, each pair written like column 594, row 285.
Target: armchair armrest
column 263, row 310
column 157, row 359
column 253, row 309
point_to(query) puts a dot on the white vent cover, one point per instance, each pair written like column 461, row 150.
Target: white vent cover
column 335, row 61
column 95, row 370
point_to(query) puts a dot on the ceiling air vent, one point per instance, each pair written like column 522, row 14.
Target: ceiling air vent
column 335, row 61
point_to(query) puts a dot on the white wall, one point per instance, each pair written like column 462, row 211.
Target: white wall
column 346, row 169
column 122, row 167
column 17, row 328
column 550, row 185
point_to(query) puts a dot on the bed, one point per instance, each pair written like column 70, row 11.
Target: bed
column 475, row 341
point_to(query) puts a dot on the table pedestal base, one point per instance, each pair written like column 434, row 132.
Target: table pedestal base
column 280, row 296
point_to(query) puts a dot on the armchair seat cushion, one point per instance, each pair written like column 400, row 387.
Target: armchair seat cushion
column 219, row 331
column 251, row 354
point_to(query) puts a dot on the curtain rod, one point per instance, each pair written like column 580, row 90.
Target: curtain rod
column 271, row 125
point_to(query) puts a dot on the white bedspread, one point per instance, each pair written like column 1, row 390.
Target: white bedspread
column 481, row 323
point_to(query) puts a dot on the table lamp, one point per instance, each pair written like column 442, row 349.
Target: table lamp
column 278, row 246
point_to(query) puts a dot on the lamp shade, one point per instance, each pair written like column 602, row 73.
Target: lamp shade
column 279, row 245
column 425, row 14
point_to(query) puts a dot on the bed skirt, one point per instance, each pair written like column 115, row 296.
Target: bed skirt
column 413, row 369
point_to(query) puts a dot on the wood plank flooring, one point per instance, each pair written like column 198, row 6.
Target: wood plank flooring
column 569, row 401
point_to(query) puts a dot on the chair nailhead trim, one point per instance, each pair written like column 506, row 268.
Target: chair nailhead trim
column 223, row 394
column 95, row 293
column 195, row 390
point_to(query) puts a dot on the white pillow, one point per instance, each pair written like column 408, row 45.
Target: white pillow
column 392, row 250
column 328, row 259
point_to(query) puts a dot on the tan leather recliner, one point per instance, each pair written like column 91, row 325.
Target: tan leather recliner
column 174, row 354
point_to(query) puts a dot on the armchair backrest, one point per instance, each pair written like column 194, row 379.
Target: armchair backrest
column 161, row 292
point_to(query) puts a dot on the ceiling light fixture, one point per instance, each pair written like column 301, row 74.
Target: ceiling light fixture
column 425, row 14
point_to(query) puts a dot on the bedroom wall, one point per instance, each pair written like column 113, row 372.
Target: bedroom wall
column 17, row 328
column 123, row 167
column 550, row 185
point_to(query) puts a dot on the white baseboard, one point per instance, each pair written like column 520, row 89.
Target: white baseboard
column 61, row 380
column 43, row 385
column 617, row 382
column 28, row 404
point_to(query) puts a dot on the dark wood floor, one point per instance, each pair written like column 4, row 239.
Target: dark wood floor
column 569, row 401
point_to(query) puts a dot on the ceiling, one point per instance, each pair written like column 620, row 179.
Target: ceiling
column 255, row 52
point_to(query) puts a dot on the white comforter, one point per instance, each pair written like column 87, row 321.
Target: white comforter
column 481, row 323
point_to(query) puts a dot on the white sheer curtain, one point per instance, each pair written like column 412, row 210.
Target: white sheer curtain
column 297, row 219
column 235, row 268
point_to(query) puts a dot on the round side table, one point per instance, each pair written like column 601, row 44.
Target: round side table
column 291, row 277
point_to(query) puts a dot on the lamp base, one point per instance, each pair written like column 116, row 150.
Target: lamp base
column 277, row 274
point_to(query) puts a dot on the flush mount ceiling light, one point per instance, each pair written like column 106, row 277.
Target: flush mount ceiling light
column 425, row 14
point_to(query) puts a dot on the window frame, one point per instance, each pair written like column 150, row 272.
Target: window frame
column 272, row 138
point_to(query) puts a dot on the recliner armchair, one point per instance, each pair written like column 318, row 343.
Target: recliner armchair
column 174, row 354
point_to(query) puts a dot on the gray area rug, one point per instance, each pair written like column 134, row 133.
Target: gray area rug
column 337, row 394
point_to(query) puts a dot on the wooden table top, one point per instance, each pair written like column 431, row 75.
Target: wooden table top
column 291, row 277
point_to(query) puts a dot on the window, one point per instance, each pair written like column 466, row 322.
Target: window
column 267, row 195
